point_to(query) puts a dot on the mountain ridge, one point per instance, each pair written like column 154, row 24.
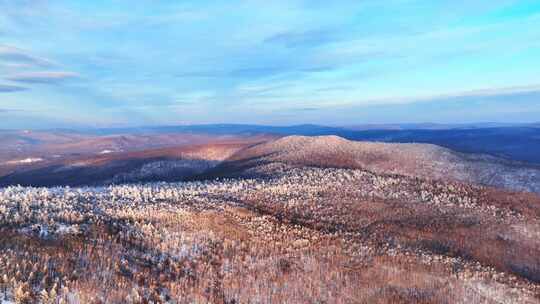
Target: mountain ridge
column 409, row 159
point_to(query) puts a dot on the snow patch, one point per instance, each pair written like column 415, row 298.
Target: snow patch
column 29, row 160
column 4, row 298
column 46, row 232
column 63, row 229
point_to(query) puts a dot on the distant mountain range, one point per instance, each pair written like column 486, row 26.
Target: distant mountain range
column 518, row 142
column 291, row 129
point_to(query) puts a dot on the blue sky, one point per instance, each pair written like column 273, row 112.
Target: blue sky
column 123, row 63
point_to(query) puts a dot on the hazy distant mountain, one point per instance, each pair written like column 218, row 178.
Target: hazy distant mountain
column 520, row 142
column 436, row 126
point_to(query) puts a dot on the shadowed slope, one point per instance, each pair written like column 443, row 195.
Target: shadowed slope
column 166, row 164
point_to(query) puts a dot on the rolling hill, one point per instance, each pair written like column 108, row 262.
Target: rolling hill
column 305, row 219
column 415, row 160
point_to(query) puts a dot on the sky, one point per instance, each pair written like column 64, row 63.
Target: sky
column 281, row 62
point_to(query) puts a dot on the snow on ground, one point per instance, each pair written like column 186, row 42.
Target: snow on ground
column 29, row 160
column 4, row 299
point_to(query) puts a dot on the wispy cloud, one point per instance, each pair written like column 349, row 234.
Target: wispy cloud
column 254, row 70
column 304, row 109
column 304, row 39
column 10, row 110
column 43, row 77
column 504, row 105
column 6, row 88
column 13, row 54
column 479, row 95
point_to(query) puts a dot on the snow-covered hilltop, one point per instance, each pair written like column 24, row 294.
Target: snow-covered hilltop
column 414, row 160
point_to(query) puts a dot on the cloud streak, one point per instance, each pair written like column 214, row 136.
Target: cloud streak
column 311, row 38
column 43, row 77
column 6, row 88
column 13, row 54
